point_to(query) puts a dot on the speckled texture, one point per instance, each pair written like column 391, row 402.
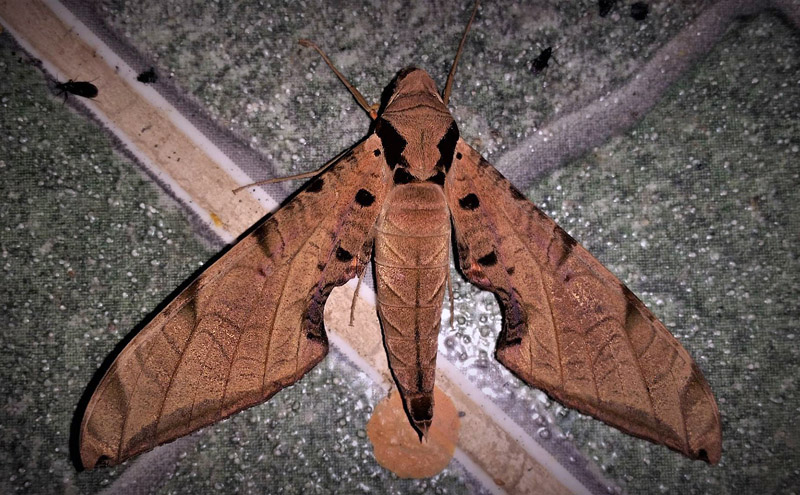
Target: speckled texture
column 695, row 207
column 89, row 247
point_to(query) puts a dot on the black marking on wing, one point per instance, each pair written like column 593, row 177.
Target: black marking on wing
column 401, row 176
column 316, row 185
column 438, row 178
column 393, row 143
column 568, row 242
column 515, row 193
column 488, row 260
column 469, row 202
column 447, row 146
column 364, row 198
column 343, row 255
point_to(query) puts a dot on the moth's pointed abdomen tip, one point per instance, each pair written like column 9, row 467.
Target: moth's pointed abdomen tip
column 422, row 428
column 711, row 455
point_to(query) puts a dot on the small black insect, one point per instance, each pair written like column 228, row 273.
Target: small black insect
column 639, row 10
column 148, row 76
column 77, row 88
column 605, row 6
column 539, row 64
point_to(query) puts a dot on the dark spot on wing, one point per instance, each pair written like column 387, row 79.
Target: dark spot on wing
column 377, row 152
column 364, row 198
column 488, row 260
column 447, row 146
column 459, row 156
column 568, row 244
column 316, row 185
column 393, row 143
column 469, row 202
column 515, row 193
column 321, row 267
column 629, row 295
column 343, row 255
column 401, row 176
column 510, row 270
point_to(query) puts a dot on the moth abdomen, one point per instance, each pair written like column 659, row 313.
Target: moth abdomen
column 412, row 250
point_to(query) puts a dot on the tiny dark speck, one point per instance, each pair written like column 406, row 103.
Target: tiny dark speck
column 459, row 156
column 488, row 260
column 377, row 152
column 364, row 198
column 343, row 255
column 639, row 11
column 605, row 6
column 510, row 270
column 469, row 202
column 148, row 76
column 316, row 186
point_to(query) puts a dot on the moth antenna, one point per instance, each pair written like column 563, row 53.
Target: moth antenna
column 370, row 109
column 304, row 175
column 449, row 86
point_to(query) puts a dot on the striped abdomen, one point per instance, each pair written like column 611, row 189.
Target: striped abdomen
column 412, row 248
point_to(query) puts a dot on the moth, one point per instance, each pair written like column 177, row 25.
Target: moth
column 77, row 88
column 252, row 323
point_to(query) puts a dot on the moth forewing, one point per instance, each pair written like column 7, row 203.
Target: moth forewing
column 570, row 327
column 248, row 326
column 252, row 323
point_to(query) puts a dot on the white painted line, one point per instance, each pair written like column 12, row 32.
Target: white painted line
column 527, row 442
column 151, row 95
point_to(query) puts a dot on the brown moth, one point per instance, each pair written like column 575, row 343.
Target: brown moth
column 252, row 323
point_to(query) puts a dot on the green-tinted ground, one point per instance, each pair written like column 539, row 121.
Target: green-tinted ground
column 696, row 208
column 89, row 247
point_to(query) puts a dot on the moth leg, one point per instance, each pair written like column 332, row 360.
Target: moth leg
column 365, row 254
column 449, row 282
column 370, row 109
column 355, row 297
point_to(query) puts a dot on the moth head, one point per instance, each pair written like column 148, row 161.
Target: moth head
column 416, row 129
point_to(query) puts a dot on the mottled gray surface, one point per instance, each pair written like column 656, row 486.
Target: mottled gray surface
column 695, row 207
column 89, row 247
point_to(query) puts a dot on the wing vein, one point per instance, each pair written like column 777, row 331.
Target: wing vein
column 512, row 223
